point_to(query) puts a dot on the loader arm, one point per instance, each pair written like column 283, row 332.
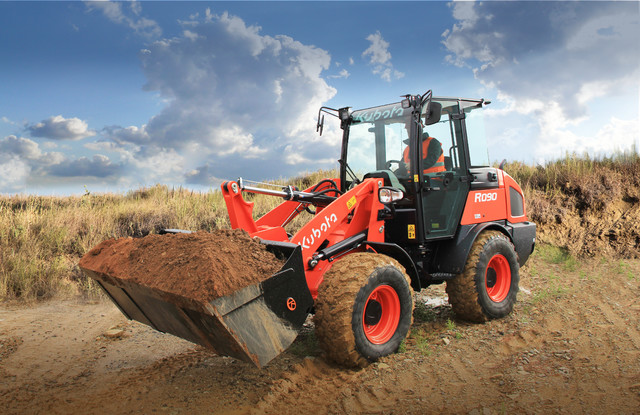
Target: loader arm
column 346, row 220
column 271, row 225
column 353, row 213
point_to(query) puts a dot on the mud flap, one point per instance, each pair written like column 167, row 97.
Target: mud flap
column 254, row 324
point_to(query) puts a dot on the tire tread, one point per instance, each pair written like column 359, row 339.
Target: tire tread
column 463, row 291
column 335, row 303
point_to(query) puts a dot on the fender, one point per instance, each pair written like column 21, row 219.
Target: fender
column 396, row 252
column 451, row 256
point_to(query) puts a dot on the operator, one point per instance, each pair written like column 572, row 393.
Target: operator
column 432, row 154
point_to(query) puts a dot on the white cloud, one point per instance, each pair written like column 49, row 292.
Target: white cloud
column 130, row 17
column 60, row 128
column 232, row 94
column 188, row 34
column 131, row 134
column 550, row 64
column 21, row 147
column 616, row 135
column 97, row 166
column 378, row 50
column 29, row 151
column 159, row 165
column 14, row 173
column 136, row 7
column 380, row 58
column 343, row 74
column 203, row 175
column 296, row 158
column 237, row 103
column 535, row 131
column 7, row 121
column 22, row 162
column 621, row 134
column 548, row 50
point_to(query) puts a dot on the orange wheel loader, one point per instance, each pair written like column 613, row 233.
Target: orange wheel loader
column 395, row 221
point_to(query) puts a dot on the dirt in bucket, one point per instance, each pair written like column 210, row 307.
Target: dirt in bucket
column 201, row 266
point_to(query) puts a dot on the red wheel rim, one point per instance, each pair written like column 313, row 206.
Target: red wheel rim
column 384, row 303
column 498, row 278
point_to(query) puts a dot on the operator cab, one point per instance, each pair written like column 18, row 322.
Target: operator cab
column 391, row 142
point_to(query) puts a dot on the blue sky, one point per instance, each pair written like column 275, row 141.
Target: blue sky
column 118, row 95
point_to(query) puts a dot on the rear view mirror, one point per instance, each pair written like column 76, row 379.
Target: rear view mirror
column 435, row 111
column 320, row 124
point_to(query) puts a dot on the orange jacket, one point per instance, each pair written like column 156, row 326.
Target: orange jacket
column 438, row 165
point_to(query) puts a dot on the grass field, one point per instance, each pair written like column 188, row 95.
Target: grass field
column 43, row 237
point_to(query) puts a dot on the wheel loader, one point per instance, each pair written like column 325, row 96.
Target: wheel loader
column 388, row 225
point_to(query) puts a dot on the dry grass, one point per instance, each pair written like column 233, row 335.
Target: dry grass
column 590, row 207
column 580, row 183
column 42, row 238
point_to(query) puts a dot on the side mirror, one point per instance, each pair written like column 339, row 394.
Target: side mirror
column 434, row 114
column 320, row 125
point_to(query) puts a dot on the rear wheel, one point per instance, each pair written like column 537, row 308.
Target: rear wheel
column 364, row 309
column 488, row 286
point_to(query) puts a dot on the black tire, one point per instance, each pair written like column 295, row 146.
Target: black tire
column 353, row 286
column 488, row 286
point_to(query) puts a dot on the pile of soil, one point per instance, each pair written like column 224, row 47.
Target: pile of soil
column 611, row 229
column 590, row 208
column 201, row 266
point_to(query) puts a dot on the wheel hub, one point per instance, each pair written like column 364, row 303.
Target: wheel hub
column 492, row 277
column 381, row 315
column 498, row 278
column 372, row 313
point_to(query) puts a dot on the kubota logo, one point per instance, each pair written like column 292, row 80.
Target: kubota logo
column 308, row 241
column 486, row 197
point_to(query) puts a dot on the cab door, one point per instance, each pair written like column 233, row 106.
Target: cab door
column 444, row 194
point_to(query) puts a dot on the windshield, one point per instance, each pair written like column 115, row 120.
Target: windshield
column 377, row 138
column 478, row 151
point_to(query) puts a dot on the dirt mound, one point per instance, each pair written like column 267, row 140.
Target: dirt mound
column 201, row 266
column 612, row 228
column 590, row 208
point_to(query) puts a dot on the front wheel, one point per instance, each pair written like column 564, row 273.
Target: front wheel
column 488, row 286
column 364, row 309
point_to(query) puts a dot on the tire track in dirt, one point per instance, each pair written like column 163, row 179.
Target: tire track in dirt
column 572, row 349
column 310, row 384
column 620, row 323
column 456, row 374
column 594, row 340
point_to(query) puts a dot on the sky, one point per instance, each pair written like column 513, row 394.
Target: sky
column 113, row 96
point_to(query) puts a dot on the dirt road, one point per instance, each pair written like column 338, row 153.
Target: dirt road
column 571, row 346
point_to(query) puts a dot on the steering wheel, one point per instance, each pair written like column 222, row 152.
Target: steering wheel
column 390, row 162
column 401, row 171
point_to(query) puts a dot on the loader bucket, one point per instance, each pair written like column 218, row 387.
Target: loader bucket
column 254, row 324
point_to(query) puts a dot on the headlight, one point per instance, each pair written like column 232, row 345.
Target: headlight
column 389, row 194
